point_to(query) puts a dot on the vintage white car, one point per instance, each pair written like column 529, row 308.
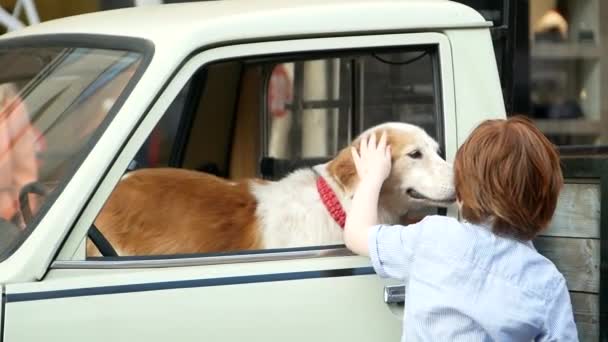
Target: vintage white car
column 235, row 88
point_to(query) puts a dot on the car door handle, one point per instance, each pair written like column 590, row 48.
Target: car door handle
column 394, row 294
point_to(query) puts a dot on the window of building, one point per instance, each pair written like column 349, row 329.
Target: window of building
column 567, row 73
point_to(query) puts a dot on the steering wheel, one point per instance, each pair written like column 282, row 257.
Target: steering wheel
column 37, row 188
column 34, row 187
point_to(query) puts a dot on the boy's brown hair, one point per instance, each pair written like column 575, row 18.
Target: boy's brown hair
column 509, row 172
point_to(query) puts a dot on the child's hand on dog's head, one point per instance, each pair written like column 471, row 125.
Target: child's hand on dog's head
column 373, row 161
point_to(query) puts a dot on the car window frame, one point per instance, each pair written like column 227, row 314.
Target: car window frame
column 72, row 252
column 93, row 41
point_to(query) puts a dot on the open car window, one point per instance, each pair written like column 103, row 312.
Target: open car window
column 262, row 118
column 53, row 103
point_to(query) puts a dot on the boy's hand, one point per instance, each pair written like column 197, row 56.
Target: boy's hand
column 373, row 162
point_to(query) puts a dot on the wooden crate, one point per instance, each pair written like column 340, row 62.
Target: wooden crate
column 577, row 242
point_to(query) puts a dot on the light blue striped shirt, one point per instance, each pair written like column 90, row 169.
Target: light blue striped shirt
column 463, row 283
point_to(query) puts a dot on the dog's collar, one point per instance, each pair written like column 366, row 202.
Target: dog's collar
column 330, row 200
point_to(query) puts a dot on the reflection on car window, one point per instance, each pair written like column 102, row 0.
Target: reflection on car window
column 52, row 100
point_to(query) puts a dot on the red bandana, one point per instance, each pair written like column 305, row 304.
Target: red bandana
column 331, row 202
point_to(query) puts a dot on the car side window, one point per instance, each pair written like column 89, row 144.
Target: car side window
column 237, row 126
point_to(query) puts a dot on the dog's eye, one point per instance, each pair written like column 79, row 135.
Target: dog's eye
column 415, row 154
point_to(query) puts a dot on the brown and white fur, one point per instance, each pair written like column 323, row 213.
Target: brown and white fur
column 174, row 211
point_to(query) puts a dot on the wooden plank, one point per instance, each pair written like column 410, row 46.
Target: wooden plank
column 577, row 259
column 577, row 213
column 586, row 316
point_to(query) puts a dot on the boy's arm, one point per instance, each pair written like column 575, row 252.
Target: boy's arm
column 362, row 216
column 373, row 164
column 559, row 322
column 390, row 248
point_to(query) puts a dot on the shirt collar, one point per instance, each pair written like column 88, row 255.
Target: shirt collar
column 487, row 225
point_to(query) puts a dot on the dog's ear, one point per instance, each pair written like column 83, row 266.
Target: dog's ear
column 342, row 168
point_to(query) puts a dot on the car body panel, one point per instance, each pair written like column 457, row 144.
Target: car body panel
column 211, row 302
column 475, row 80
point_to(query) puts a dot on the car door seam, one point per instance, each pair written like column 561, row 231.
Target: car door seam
column 2, row 313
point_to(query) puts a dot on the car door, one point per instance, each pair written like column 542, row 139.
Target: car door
column 303, row 294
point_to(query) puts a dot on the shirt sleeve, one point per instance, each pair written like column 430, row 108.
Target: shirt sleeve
column 392, row 249
column 559, row 321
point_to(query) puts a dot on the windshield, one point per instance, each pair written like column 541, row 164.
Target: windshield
column 52, row 101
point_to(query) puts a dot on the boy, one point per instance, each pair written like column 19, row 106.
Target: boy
column 481, row 279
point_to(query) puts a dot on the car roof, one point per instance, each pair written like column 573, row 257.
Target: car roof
column 198, row 24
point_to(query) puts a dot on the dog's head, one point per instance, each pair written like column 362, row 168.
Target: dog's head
column 419, row 176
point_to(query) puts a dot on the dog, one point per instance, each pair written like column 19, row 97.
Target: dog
column 161, row 211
